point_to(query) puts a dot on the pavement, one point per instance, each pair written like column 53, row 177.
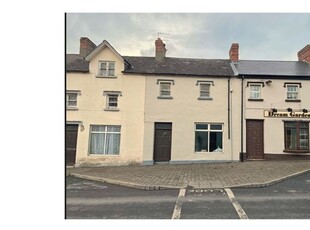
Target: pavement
column 207, row 175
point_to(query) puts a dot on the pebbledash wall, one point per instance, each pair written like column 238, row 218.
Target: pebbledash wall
column 176, row 110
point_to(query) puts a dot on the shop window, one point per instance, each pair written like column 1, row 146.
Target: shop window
column 296, row 135
column 208, row 137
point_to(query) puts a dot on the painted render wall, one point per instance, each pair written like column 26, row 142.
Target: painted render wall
column 274, row 96
column 184, row 110
column 91, row 105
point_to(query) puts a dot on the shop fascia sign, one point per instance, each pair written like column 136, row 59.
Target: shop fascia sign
column 287, row 113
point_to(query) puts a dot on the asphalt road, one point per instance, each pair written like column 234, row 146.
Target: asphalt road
column 289, row 199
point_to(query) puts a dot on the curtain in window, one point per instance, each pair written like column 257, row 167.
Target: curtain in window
column 97, row 143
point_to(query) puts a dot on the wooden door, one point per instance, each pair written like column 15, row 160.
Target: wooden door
column 162, row 142
column 71, row 138
column 255, row 139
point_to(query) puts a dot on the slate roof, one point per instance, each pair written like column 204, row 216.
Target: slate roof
column 76, row 63
column 273, row 68
column 178, row 66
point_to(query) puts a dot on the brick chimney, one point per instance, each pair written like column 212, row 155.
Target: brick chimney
column 234, row 52
column 304, row 54
column 86, row 46
column 160, row 50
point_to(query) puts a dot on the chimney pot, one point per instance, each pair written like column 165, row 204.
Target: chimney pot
column 234, row 52
column 160, row 50
column 304, row 54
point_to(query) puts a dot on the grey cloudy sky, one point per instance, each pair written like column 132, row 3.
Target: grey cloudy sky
column 273, row 36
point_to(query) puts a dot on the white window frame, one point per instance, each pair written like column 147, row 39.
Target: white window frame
column 255, row 94
column 105, row 132
column 109, row 95
column 165, row 93
column 201, row 84
column 288, row 92
column 209, row 130
column 106, row 72
column 72, row 92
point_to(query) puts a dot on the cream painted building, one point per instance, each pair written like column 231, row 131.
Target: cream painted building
column 276, row 107
column 144, row 110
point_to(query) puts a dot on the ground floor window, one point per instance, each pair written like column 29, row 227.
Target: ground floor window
column 208, row 137
column 296, row 135
column 105, row 139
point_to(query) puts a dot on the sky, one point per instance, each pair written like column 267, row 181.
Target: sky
column 261, row 36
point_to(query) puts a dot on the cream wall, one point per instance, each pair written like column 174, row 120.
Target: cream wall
column 91, row 105
column 274, row 96
column 184, row 110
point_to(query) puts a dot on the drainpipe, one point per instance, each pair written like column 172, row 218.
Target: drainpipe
column 241, row 153
column 228, row 108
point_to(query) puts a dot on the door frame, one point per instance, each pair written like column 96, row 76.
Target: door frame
column 154, row 147
column 262, row 139
column 77, row 124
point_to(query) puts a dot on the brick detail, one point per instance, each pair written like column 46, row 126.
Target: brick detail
column 160, row 50
column 304, row 54
column 86, row 46
column 234, row 52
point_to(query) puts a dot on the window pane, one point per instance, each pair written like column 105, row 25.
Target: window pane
column 216, row 144
column 97, row 143
column 290, row 139
column 304, row 139
column 113, row 143
column 111, row 65
column 103, row 65
column 201, row 141
column 216, row 127
column 71, row 103
column 72, row 96
column 201, row 126
column 290, row 124
column 204, row 90
column 114, row 128
column 100, row 128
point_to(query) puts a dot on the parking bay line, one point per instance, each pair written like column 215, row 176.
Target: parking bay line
column 236, row 204
column 178, row 206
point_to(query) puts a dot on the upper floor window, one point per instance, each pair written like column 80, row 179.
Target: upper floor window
column 165, row 89
column 292, row 92
column 71, row 99
column 106, row 69
column 204, row 89
column 255, row 90
column 112, row 100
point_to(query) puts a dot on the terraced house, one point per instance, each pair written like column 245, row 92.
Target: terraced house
column 146, row 110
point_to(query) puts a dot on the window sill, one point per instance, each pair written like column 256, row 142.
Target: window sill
column 296, row 151
column 102, row 155
column 205, row 98
column 291, row 100
column 112, row 110
column 162, row 97
column 72, row 109
column 99, row 76
column 252, row 99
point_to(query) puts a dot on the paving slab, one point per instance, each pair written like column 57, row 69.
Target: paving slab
column 207, row 175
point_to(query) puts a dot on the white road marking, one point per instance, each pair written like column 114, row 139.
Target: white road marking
column 178, row 206
column 236, row 204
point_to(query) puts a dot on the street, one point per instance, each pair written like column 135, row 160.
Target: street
column 289, row 199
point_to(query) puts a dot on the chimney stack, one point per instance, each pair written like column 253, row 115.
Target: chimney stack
column 234, row 52
column 160, row 50
column 304, row 54
column 86, row 46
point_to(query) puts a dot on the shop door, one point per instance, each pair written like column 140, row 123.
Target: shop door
column 71, row 137
column 254, row 139
column 162, row 142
